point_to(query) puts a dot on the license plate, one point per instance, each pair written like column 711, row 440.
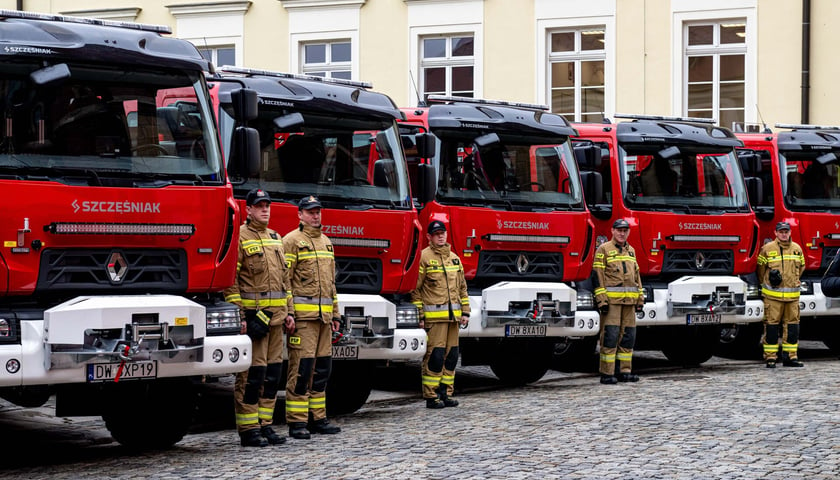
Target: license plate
column 702, row 318
column 525, row 330
column 345, row 352
column 107, row 372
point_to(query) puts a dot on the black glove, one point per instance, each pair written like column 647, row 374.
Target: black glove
column 604, row 308
column 640, row 308
column 256, row 324
column 775, row 277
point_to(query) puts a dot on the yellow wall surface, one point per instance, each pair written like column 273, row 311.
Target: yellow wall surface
column 509, row 51
column 383, row 38
column 268, row 50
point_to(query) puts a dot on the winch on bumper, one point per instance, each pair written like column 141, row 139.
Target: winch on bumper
column 694, row 300
column 374, row 328
column 531, row 309
column 167, row 334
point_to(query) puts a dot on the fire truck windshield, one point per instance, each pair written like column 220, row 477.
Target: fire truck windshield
column 347, row 162
column 103, row 126
column 510, row 173
column 812, row 181
column 681, row 178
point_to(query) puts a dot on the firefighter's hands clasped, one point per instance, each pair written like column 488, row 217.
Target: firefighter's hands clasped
column 603, row 309
column 465, row 321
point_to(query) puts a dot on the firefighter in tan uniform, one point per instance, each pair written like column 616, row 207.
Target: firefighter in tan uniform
column 441, row 297
column 619, row 295
column 261, row 292
column 311, row 265
column 780, row 266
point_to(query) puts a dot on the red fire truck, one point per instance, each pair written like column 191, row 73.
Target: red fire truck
column 338, row 140
column 507, row 188
column 798, row 169
column 118, row 234
column 680, row 185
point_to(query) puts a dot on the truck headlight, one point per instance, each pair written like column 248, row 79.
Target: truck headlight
column 407, row 316
column 753, row 291
column 223, row 321
column 585, row 300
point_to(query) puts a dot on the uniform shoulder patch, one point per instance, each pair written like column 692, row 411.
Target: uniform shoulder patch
column 329, row 248
column 273, row 235
column 455, row 261
column 252, row 249
column 303, row 243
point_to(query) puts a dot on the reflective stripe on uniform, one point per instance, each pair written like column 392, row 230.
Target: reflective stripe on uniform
column 447, row 379
column 624, row 356
column 441, row 311
column 771, row 347
column 790, row 347
column 608, row 357
column 623, row 292
column 297, row 406
column 264, row 299
column 316, row 254
column 791, row 293
column 266, row 413
column 233, row 298
column 247, row 419
column 430, row 380
column 316, row 403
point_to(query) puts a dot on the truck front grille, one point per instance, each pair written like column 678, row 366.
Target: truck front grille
column 513, row 265
column 358, row 275
column 698, row 261
column 100, row 271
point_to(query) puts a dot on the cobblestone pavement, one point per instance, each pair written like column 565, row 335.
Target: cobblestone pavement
column 726, row 420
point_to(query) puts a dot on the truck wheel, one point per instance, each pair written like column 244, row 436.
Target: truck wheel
column 576, row 355
column 150, row 415
column 691, row 346
column 349, row 386
column 741, row 342
column 520, row 362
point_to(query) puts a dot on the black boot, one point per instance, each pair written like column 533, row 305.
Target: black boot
column 608, row 379
column 323, row 426
column 446, row 399
column 792, row 362
column 434, row 403
column 298, row 430
column 252, row 438
column 269, row 434
column 770, row 363
column 628, row 377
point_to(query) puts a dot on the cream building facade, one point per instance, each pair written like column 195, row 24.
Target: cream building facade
column 733, row 60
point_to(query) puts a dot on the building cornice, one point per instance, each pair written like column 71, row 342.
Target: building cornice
column 291, row 4
column 205, row 8
column 105, row 13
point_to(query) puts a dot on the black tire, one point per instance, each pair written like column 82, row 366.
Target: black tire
column 522, row 362
column 150, row 415
column 741, row 342
column 691, row 346
column 349, row 386
column 576, row 355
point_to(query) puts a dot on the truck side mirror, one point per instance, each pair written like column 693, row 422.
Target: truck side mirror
column 246, row 141
column 750, row 163
column 426, row 144
column 588, row 157
column 755, row 190
column 426, row 183
column 245, row 104
column 593, row 192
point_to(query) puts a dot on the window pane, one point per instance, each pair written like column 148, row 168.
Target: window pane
column 701, row 35
column 462, row 46
column 729, row 116
column 563, row 100
column 700, row 96
column 562, row 74
column 733, row 33
column 731, row 67
column 316, row 53
column 206, row 53
column 462, row 78
column 317, row 74
column 434, row 48
column 700, row 113
column 563, row 42
column 591, row 117
column 592, row 100
column 340, row 52
column 700, row 69
column 340, row 74
column 592, row 40
column 434, row 80
column 227, row 56
column 592, row 74
column 732, row 95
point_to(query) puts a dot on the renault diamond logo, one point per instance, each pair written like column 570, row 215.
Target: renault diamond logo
column 116, row 267
column 699, row 260
column 522, row 263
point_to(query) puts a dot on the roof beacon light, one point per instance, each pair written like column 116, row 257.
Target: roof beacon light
column 269, row 73
column 793, row 126
column 84, row 20
column 632, row 116
column 446, row 98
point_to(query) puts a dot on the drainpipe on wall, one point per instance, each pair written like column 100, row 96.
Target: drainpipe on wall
column 806, row 60
column 20, row 4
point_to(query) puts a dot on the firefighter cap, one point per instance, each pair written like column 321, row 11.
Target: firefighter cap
column 255, row 196
column 309, row 202
column 436, row 226
column 621, row 223
column 782, row 226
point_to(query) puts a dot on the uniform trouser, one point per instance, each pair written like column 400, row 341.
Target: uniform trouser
column 786, row 314
column 310, row 362
column 255, row 389
column 440, row 359
column 618, row 333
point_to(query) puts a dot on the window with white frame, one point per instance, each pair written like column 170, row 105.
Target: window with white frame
column 576, row 73
column 222, row 55
column 715, row 79
column 447, row 65
column 331, row 59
